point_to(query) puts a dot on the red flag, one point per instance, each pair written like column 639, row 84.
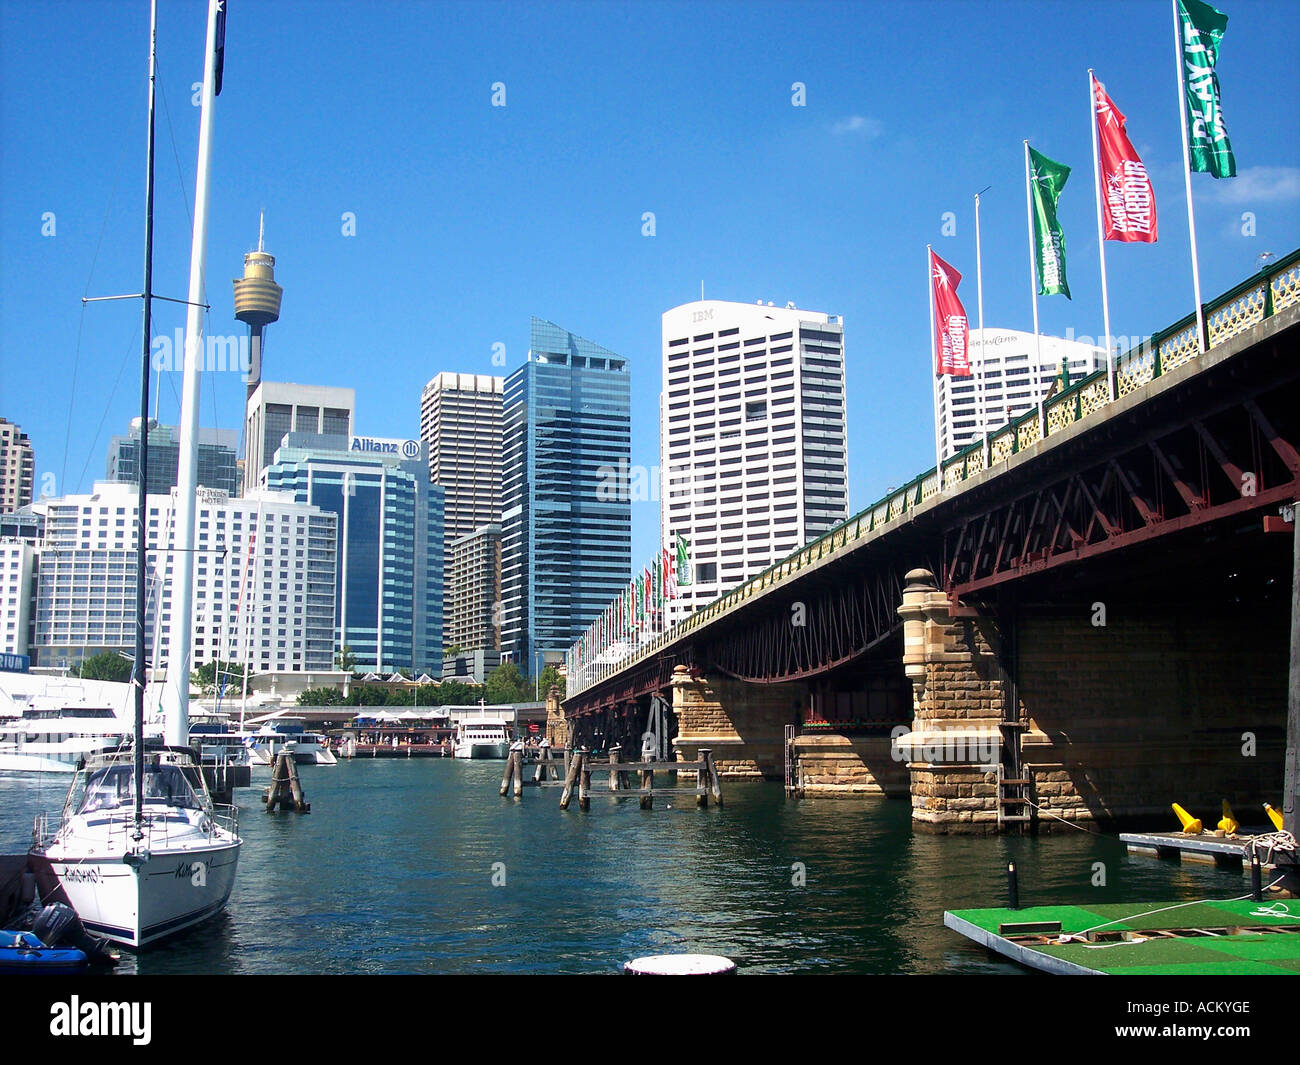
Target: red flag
column 950, row 321
column 1128, row 202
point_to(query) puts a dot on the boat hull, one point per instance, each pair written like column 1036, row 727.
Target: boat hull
column 137, row 904
column 497, row 751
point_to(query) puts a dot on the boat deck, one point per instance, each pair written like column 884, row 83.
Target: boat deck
column 1144, row 938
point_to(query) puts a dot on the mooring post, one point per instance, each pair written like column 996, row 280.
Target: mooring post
column 614, row 752
column 518, row 773
column 647, row 789
column 572, row 763
column 1013, row 888
column 702, row 776
column 715, row 786
column 584, row 780
column 510, row 768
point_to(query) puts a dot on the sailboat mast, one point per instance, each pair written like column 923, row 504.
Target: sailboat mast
column 187, row 474
column 138, row 672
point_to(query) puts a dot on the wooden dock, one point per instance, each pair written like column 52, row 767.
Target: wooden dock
column 1239, row 937
column 579, row 767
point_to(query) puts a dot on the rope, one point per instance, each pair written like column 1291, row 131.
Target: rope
column 1072, row 936
column 1090, row 831
column 1270, row 842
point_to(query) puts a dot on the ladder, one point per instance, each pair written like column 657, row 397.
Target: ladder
column 791, row 765
column 1013, row 785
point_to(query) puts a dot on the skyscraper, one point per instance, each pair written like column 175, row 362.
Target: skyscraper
column 473, row 595
column 1008, row 375
column 566, row 516
column 218, row 467
column 275, row 408
column 17, row 468
column 460, row 425
column 390, row 542
column 753, row 449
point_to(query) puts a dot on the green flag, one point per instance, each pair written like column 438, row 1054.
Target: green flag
column 1046, row 180
column 1207, row 138
column 683, row 561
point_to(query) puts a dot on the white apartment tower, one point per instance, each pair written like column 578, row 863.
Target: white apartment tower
column 753, row 448
column 1009, row 371
column 276, row 408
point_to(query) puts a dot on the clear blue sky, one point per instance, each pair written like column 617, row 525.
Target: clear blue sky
column 471, row 218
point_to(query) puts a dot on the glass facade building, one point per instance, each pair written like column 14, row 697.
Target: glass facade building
column 566, row 519
column 218, row 467
column 389, row 579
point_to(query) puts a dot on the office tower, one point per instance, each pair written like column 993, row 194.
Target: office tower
column 566, row 520
column 390, row 542
column 276, row 408
column 257, row 303
column 263, row 579
column 460, row 424
column 1010, row 369
column 218, row 451
column 17, row 467
column 474, row 591
column 753, row 450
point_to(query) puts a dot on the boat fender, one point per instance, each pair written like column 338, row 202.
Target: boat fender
column 1191, row 825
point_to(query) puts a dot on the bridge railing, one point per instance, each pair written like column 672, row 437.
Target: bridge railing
column 1274, row 288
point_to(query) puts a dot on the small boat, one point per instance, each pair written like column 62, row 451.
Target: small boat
column 139, row 860
column 53, row 740
column 23, row 952
column 482, row 738
column 289, row 734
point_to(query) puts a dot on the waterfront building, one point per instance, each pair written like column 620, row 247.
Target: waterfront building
column 566, row 520
column 460, row 425
column 753, row 448
column 17, row 584
column 1008, row 374
column 17, row 467
column 263, row 579
column 218, row 452
column 473, row 591
column 389, row 580
column 275, row 408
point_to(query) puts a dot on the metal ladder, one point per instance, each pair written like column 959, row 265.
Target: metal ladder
column 1013, row 786
column 791, row 765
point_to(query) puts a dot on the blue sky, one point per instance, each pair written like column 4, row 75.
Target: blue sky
column 470, row 218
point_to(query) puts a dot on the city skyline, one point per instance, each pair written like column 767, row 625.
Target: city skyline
column 772, row 191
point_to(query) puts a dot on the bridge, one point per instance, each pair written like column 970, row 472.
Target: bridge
column 1095, row 624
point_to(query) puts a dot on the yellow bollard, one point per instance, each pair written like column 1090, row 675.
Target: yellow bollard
column 1274, row 815
column 1191, row 826
column 1228, row 824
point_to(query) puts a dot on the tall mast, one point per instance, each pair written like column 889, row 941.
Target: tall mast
column 187, row 474
column 138, row 672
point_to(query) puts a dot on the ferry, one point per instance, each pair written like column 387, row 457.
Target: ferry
column 289, row 733
column 482, row 738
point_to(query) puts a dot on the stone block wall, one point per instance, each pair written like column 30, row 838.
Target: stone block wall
column 743, row 724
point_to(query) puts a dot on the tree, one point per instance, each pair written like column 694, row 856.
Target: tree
column 212, row 675
column 320, row 697
column 346, row 660
column 451, row 652
column 107, row 666
column 550, row 675
column 452, row 693
column 506, row 684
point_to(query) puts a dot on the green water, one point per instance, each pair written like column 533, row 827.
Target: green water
column 420, row 867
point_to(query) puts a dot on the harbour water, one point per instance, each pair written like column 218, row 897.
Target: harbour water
column 420, row 867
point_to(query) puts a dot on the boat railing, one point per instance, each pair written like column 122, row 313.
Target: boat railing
column 40, row 829
column 224, row 816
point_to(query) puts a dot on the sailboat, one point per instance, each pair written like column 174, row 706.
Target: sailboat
column 140, row 851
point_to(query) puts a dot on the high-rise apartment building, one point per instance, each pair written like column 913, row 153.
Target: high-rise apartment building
column 566, row 520
column 1009, row 371
column 17, row 584
column 218, row 455
column 276, row 408
column 390, row 542
column 17, row 467
column 263, row 579
column 753, row 448
column 460, row 424
column 473, row 621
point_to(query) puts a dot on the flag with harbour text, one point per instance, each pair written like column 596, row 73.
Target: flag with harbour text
column 1128, row 201
column 950, row 322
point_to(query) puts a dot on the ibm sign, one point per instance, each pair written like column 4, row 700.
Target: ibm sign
column 370, row 445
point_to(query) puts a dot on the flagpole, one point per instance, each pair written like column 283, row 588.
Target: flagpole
column 938, row 439
column 1187, row 178
column 1101, row 234
column 1033, row 294
column 979, row 289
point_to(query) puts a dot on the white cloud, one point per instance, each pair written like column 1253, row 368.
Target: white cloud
column 1259, row 184
column 859, row 124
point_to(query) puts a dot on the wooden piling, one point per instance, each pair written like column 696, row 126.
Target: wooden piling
column 647, row 789
column 584, row 782
column 285, row 788
column 518, row 763
column 572, row 764
column 702, row 777
column 510, row 769
column 614, row 753
column 715, row 785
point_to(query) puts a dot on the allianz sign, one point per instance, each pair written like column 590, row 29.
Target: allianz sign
column 407, row 449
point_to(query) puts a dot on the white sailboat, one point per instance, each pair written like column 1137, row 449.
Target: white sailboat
column 140, row 851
